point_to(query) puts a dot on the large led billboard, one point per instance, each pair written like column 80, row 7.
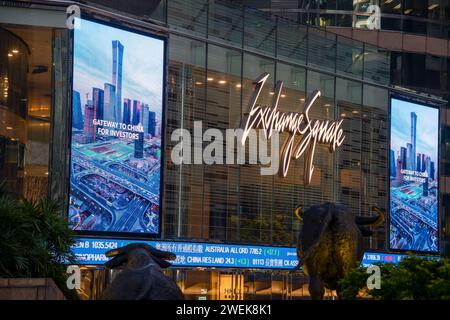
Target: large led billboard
column 117, row 112
column 414, row 176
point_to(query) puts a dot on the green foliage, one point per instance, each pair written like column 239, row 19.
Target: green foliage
column 35, row 240
column 349, row 286
column 412, row 279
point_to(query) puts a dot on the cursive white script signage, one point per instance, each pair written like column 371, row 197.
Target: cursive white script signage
column 309, row 131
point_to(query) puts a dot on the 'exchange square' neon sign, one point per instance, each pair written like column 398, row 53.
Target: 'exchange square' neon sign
column 311, row 131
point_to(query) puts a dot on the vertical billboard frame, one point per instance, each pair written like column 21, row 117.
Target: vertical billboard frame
column 427, row 104
column 164, row 103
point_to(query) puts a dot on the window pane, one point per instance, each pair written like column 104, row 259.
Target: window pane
column 350, row 176
column 259, row 31
column 288, row 192
column 186, row 103
column 223, row 112
column 349, row 58
column 321, row 49
column 255, row 190
column 25, row 98
column 374, row 155
column 321, row 188
column 348, row 91
column 376, row 64
column 291, row 41
column 225, row 21
column 189, row 15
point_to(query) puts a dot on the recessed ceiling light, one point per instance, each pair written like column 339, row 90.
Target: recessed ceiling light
column 210, row 79
column 10, row 54
column 15, row 51
column 222, row 81
column 327, row 105
column 238, row 85
column 9, row 128
column 283, row 96
column 199, row 83
column 271, row 93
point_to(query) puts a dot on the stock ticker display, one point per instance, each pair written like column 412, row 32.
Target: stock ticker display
column 90, row 251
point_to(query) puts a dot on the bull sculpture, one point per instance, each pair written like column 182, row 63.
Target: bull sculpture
column 330, row 244
column 142, row 277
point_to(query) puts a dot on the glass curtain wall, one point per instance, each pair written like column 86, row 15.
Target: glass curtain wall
column 210, row 83
column 29, row 72
column 426, row 17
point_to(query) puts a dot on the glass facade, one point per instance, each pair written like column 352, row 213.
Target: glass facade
column 212, row 84
column 411, row 16
column 215, row 51
column 25, row 108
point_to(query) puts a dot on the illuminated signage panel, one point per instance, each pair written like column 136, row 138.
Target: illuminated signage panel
column 117, row 112
column 190, row 254
column 414, row 177
column 89, row 251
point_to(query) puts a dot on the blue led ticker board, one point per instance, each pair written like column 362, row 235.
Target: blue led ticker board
column 371, row 258
column 189, row 254
column 414, row 177
column 90, row 251
column 117, row 112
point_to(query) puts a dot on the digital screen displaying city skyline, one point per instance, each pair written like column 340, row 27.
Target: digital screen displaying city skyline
column 414, row 177
column 117, row 103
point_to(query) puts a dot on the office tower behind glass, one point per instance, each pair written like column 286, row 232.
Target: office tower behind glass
column 110, row 106
column 145, row 117
column 413, row 136
column 409, row 157
column 432, row 170
column 392, row 163
column 425, row 188
column 152, row 123
column 89, row 127
column 126, row 111
column 418, row 165
column 136, row 112
column 139, row 146
column 97, row 97
column 77, row 115
column 403, row 157
column 117, row 58
column 424, row 162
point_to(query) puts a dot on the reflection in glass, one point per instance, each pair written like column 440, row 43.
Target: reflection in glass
column 25, row 99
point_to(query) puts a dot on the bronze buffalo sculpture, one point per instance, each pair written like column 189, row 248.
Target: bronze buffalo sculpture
column 330, row 244
column 141, row 277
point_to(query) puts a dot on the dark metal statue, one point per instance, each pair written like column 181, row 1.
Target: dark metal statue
column 141, row 277
column 330, row 244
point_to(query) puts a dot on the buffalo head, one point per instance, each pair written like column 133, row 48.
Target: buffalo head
column 141, row 277
column 136, row 255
